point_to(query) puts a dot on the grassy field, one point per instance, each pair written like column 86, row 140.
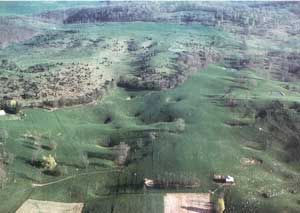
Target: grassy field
column 204, row 145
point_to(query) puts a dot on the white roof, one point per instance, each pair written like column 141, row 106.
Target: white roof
column 229, row 179
column 2, row 112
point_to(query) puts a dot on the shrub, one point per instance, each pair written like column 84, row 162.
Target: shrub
column 180, row 125
column 49, row 162
column 12, row 106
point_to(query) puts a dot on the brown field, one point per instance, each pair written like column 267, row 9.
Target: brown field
column 38, row 206
column 187, row 202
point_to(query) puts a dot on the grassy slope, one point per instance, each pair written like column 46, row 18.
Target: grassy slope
column 206, row 146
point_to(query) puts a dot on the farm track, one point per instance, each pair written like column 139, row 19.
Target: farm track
column 70, row 177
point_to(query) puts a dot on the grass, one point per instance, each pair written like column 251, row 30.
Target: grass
column 206, row 146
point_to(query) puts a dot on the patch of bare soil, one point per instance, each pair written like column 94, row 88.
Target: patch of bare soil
column 187, row 202
column 250, row 161
column 38, row 206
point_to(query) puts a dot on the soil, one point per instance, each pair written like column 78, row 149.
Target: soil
column 187, row 202
column 37, row 206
